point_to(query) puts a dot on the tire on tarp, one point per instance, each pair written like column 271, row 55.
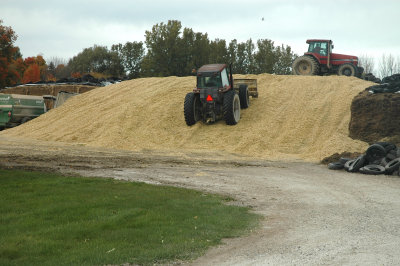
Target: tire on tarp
column 372, row 169
column 335, row 166
column 356, row 164
column 375, row 152
column 347, row 164
column 392, row 166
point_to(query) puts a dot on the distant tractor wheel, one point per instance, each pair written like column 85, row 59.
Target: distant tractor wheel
column 192, row 108
column 244, row 96
column 347, row 70
column 231, row 107
column 306, row 66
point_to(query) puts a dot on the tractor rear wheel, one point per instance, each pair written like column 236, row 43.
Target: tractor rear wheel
column 347, row 70
column 192, row 108
column 306, row 66
column 244, row 96
column 231, row 107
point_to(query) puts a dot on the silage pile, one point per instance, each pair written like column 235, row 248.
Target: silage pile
column 295, row 117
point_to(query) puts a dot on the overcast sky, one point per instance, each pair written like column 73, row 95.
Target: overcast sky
column 64, row 28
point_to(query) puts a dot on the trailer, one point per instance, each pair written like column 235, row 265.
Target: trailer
column 250, row 83
column 17, row 109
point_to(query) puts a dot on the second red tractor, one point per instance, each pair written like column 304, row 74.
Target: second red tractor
column 320, row 60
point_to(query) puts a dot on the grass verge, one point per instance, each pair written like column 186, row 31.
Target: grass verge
column 47, row 219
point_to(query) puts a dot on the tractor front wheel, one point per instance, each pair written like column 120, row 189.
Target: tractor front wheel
column 231, row 108
column 347, row 70
column 305, row 65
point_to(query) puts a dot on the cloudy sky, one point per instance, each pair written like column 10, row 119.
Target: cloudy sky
column 64, row 28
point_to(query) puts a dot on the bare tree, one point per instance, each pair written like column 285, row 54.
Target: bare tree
column 383, row 71
column 391, row 64
column 387, row 65
column 367, row 62
column 56, row 61
column 397, row 65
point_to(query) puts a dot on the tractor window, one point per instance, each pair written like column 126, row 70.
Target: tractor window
column 225, row 79
column 318, row 48
column 209, row 81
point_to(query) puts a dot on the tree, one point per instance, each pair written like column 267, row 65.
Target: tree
column 62, row 71
column 42, row 67
column 31, row 74
column 397, row 66
column 367, row 63
column 172, row 52
column 265, row 57
column 250, row 49
column 218, row 51
column 97, row 59
column 56, row 61
column 53, row 68
column 163, row 51
column 187, row 52
column 8, row 55
column 232, row 54
column 131, row 56
column 386, row 66
column 201, row 49
column 35, row 69
column 283, row 60
column 245, row 58
column 19, row 67
column 115, row 67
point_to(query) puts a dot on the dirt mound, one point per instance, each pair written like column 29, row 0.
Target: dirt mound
column 295, row 117
column 375, row 117
column 40, row 90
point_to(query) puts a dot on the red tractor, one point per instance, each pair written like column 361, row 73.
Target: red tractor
column 320, row 60
column 218, row 96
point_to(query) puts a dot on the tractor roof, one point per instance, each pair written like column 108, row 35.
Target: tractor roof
column 318, row 40
column 212, row 68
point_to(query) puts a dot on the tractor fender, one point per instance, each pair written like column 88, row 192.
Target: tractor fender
column 313, row 56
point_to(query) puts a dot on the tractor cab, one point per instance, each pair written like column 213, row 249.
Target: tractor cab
column 213, row 76
column 213, row 81
column 321, row 50
column 321, row 47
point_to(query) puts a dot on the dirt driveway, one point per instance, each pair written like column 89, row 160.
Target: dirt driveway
column 312, row 215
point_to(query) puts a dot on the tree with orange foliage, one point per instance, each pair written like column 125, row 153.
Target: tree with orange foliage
column 50, row 77
column 42, row 67
column 8, row 54
column 76, row 75
column 36, row 69
column 31, row 74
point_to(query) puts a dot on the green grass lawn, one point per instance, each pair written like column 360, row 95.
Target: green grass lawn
column 48, row 219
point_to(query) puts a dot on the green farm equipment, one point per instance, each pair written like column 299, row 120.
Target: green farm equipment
column 17, row 109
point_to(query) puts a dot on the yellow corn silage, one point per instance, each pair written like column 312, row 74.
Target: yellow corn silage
column 294, row 118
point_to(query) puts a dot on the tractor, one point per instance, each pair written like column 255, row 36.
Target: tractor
column 319, row 60
column 218, row 96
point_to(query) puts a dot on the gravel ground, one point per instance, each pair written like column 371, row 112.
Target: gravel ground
column 312, row 216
